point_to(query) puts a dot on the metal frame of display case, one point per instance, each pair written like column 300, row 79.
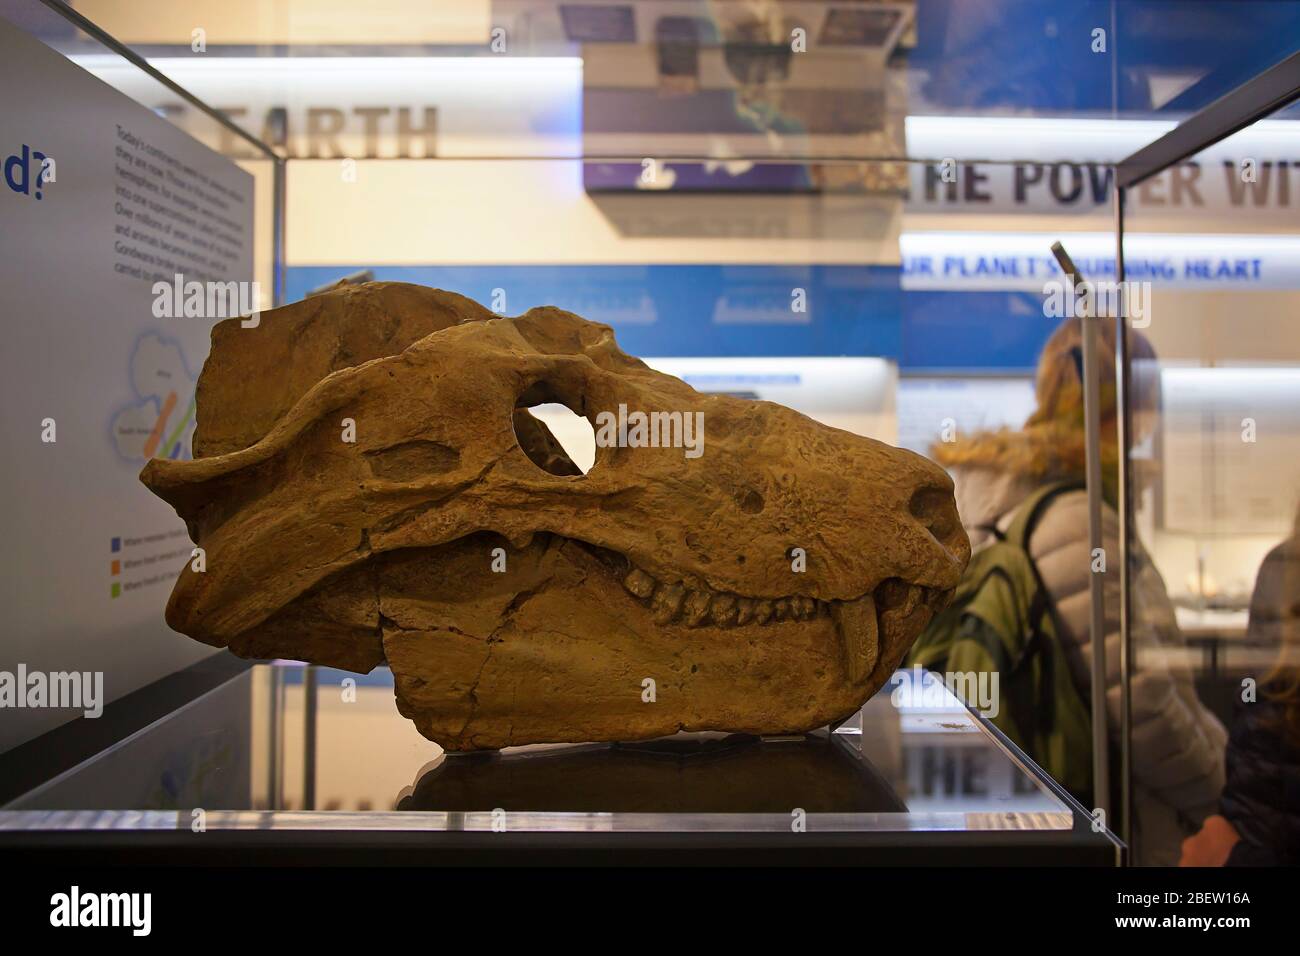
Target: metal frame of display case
column 1257, row 99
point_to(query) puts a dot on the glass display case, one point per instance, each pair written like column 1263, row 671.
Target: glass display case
column 1210, row 461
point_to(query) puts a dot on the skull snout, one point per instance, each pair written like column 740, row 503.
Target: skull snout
column 908, row 500
column 928, row 546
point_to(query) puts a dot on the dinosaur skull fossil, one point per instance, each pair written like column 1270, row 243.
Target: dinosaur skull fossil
column 368, row 486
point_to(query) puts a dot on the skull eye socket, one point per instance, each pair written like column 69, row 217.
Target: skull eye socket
column 555, row 438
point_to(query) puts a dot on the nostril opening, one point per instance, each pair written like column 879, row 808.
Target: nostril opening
column 751, row 502
column 933, row 507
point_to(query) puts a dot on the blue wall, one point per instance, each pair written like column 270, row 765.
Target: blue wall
column 708, row 310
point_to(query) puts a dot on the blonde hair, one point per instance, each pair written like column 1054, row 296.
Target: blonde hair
column 1051, row 445
column 1058, row 383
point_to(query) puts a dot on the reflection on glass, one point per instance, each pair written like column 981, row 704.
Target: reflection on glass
column 1216, row 488
column 1022, row 487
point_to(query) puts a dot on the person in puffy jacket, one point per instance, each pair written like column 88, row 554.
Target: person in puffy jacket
column 1177, row 743
column 1258, row 823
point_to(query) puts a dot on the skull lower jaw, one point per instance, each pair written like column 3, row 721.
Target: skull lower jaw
column 555, row 649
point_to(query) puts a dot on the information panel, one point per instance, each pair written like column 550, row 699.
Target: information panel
column 110, row 219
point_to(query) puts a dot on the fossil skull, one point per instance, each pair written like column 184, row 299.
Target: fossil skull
column 769, row 585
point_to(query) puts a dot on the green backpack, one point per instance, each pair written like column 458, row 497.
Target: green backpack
column 1000, row 622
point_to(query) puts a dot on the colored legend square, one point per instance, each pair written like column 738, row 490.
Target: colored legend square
column 117, row 567
column 117, row 545
column 117, row 589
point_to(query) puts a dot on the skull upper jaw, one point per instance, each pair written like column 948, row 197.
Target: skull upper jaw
column 279, row 517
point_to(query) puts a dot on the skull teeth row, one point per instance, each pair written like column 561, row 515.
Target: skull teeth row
column 672, row 602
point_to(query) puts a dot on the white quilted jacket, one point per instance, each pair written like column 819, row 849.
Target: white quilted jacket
column 1178, row 745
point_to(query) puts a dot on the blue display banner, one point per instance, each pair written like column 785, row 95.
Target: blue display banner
column 719, row 310
column 973, row 331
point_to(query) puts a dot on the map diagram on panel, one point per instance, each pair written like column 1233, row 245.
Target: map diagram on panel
column 159, row 422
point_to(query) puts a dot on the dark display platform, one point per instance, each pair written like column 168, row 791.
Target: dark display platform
column 286, row 764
